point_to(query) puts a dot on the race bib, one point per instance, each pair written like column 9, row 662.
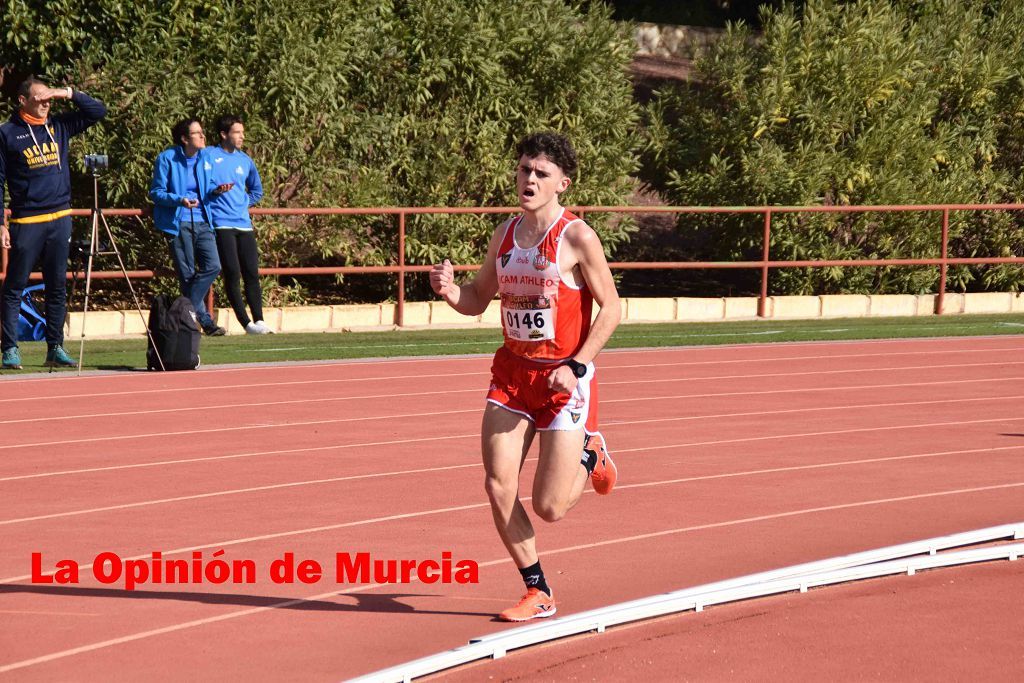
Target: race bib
column 528, row 318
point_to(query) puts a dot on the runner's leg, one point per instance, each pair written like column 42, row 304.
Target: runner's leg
column 560, row 477
column 506, row 437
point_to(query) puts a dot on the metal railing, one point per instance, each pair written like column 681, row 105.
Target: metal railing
column 765, row 264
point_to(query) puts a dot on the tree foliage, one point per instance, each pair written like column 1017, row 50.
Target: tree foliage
column 693, row 12
column 852, row 103
column 356, row 103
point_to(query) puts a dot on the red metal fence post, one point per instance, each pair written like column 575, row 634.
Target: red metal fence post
column 400, row 307
column 762, row 301
column 940, row 300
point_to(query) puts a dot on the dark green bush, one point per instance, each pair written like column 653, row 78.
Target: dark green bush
column 869, row 102
column 360, row 103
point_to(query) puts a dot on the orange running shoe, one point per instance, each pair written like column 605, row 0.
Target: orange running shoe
column 536, row 604
column 605, row 473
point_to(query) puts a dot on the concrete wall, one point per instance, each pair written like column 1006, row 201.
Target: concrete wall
column 111, row 324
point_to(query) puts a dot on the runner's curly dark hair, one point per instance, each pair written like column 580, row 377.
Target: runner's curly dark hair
column 555, row 146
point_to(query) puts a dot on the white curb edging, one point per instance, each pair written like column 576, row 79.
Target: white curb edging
column 905, row 558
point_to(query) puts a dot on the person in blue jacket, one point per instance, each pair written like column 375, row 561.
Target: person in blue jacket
column 235, row 186
column 180, row 194
column 35, row 166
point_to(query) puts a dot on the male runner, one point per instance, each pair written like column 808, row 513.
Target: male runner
column 549, row 267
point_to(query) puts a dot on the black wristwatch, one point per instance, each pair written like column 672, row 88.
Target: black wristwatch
column 578, row 368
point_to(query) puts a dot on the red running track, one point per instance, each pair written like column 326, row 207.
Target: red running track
column 734, row 460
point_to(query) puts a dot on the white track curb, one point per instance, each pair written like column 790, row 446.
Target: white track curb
column 906, row 558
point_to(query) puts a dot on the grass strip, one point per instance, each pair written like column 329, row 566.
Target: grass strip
column 130, row 354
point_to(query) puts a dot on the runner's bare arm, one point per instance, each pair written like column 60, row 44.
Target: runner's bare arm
column 594, row 267
column 473, row 297
column 586, row 248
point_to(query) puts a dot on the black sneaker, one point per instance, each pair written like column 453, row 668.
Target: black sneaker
column 214, row 331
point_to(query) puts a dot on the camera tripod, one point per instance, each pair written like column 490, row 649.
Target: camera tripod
column 95, row 250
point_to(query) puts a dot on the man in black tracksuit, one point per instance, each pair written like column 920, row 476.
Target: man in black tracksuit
column 34, row 164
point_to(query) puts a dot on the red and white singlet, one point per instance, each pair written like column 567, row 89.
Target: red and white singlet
column 544, row 317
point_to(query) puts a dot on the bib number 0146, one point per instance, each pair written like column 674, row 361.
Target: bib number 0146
column 525, row 319
column 529, row 325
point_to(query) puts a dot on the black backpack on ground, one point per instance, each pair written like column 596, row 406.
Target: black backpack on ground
column 175, row 331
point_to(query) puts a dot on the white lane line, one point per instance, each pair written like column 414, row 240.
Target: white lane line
column 259, row 367
column 838, row 343
column 628, row 337
column 851, row 387
column 232, row 492
column 287, row 534
column 233, row 406
column 783, row 515
column 186, row 625
column 484, row 357
column 832, row 432
column 210, row 430
column 186, row 461
column 479, row 390
column 49, row 614
column 466, row 436
column 815, row 466
column 60, row 654
column 773, row 361
column 252, row 385
column 286, row 451
column 601, row 367
column 377, row 475
column 790, row 411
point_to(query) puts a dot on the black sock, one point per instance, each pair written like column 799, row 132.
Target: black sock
column 589, row 461
column 533, row 577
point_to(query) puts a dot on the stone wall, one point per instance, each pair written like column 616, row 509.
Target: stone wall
column 680, row 42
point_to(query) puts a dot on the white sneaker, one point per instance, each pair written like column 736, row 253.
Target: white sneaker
column 263, row 327
column 253, row 328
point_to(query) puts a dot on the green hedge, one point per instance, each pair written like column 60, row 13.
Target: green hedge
column 869, row 102
column 361, row 103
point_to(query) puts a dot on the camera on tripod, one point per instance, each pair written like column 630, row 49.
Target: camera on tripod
column 97, row 162
column 78, row 251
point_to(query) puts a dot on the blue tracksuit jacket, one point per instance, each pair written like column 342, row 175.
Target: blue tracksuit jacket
column 168, row 189
column 231, row 209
